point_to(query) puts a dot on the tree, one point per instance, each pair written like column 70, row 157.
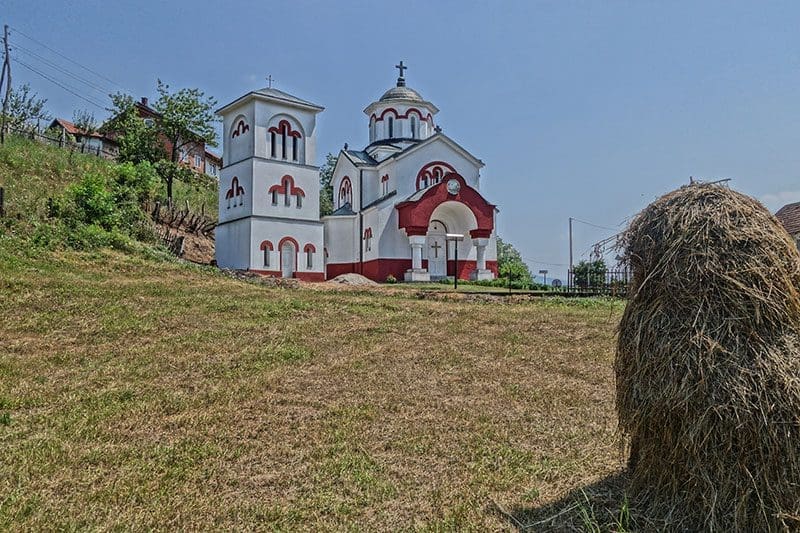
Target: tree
column 589, row 273
column 25, row 107
column 326, row 185
column 84, row 121
column 137, row 141
column 510, row 264
column 187, row 118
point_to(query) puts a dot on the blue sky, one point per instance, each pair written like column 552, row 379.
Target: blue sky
column 582, row 109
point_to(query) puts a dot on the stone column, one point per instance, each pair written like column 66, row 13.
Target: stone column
column 417, row 273
column 480, row 251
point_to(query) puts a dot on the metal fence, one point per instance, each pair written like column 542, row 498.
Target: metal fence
column 609, row 282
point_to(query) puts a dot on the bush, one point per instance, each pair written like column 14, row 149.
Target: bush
column 391, row 279
column 92, row 202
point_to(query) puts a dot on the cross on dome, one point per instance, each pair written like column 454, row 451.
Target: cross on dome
column 401, row 81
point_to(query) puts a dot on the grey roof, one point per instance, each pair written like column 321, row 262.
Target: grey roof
column 402, row 93
column 346, row 210
column 269, row 92
column 417, row 195
column 380, row 200
column 361, row 157
column 275, row 93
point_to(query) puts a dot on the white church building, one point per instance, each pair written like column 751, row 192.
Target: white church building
column 401, row 205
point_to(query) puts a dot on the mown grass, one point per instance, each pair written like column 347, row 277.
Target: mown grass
column 138, row 393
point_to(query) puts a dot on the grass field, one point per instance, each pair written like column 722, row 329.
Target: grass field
column 138, row 394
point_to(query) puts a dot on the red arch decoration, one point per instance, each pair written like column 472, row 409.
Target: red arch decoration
column 285, row 127
column 397, row 115
column 368, row 233
column 345, row 192
column 266, row 245
column 287, row 183
column 385, row 177
column 236, row 192
column 433, row 172
column 240, row 129
column 414, row 216
column 309, row 248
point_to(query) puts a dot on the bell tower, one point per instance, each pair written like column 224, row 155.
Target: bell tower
column 269, row 187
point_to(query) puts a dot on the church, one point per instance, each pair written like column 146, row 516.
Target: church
column 407, row 206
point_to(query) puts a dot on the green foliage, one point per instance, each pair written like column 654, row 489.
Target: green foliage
column 391, row 279
column 101, row 210
column 510, row 264
column 137, row 141
column 91, row 202
column 141, row 178
column 187, row 116
column 84, row 120
column 500, row 282
column 326, row 185
column 25, row 108
column 589, row 273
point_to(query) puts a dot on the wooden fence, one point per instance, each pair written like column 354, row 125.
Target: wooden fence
column 65, row 142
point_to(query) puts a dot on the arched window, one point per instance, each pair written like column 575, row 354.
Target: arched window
column 368, row 239
column 287, row 190
column 266, row 246
column 413, row 127
column 391, row 127
column 275, row 197
column 294, row 149
column 299, row 202
column 272, row 142
column 309, row 250
column 345, row 192
column 283, row 145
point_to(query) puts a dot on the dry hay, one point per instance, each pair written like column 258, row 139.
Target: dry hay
column 707, row 366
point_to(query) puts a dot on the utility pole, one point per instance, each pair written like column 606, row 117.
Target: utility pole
column 570, row 243
column 6, row 76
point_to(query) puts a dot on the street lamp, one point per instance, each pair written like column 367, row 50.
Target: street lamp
column 456, row 238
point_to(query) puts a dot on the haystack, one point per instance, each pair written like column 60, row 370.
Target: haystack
column 708, row 363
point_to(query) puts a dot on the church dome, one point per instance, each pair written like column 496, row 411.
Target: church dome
column 401, row 92
column 401, row 116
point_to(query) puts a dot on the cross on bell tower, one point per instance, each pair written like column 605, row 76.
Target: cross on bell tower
column 401, row 81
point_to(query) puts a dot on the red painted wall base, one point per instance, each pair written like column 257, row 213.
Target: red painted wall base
column 302, row 276
column 379, row 269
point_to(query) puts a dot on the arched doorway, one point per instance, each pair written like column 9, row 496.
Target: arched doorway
column 288, row 259
column 437, row 249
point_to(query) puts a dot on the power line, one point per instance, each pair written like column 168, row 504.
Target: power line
column 71, row 90
column 543, row 262
column 594, row 225
column 91, row 84
column 68, row 59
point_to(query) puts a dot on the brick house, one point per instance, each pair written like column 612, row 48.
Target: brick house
column 91, row 142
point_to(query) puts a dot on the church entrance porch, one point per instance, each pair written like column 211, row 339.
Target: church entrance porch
column 453, row 208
